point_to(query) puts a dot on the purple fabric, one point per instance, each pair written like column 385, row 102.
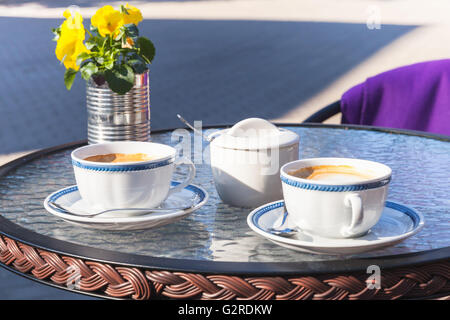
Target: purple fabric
column 415, row 97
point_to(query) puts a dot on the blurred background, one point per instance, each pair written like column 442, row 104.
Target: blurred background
column 218, row 61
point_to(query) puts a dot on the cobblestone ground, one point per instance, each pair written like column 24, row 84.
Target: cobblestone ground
column 205, row 69
column 215, row 71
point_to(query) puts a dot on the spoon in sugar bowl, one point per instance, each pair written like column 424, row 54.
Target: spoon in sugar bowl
column 206, row 138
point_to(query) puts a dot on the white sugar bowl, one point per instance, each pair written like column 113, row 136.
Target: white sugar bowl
column 246, row 161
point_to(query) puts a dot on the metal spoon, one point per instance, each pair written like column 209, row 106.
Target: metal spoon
column 144, row 210
column 193, row 128
column 284, row 232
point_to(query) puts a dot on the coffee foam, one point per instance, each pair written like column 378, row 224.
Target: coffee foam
column 119, row 157
column 332, row 173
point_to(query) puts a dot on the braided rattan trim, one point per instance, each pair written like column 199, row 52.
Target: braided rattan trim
column 135, row 283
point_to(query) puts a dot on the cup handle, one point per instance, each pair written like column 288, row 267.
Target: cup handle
column 190, row 175
column 354, row 201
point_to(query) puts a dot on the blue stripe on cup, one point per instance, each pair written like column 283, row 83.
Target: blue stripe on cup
column 335, row 188
column 122, row 168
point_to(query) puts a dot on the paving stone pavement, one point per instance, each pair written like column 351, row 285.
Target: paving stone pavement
column 217, row 61
column 215, row 71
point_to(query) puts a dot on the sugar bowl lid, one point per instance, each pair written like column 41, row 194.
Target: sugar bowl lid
column 254, row 134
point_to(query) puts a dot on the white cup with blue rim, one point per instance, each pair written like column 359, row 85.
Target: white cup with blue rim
column 140, row 184
column 335, row 208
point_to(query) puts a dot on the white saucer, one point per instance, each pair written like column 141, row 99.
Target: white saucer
column 70, row 198
column 397, row 223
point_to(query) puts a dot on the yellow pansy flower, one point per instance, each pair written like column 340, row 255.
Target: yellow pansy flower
column 70, row 43
column 107, row 20
column 69, row 51
column 134, row 15
column 73, row 24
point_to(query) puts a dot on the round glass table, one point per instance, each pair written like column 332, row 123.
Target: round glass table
column 212, row 253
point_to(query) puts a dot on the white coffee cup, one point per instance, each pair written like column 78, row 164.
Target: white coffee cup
column 142, row 184
column 335, row 208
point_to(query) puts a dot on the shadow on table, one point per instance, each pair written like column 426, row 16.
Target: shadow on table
column 215, row 71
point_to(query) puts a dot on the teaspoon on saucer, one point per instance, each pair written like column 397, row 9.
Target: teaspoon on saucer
column 277, row 226
column 286, row 232
column 143, row 210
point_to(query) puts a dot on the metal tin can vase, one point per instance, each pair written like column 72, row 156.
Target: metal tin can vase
column 113, row 117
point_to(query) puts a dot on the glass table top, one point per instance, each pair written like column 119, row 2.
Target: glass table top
column 218, row 232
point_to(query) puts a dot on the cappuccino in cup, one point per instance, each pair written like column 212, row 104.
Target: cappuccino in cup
column 127, row 174
column 335, row 197
column 332, row 173
column 120, row 157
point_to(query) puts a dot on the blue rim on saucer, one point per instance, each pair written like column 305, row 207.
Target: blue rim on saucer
column 69, row 196
column 397, row 223
column 58, row 194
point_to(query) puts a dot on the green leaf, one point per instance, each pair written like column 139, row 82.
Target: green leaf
column 120, row 79
column 131, row 30
column 69, row 77
column 81, row 57
column 109, row 64
column 147, row 49
column 56, row 33
column 138, row 64
column 99, row 59
column 120, row 34
column 123, row 9
column 90, row 45
column 93, row 29
column 94, row 43
column 88, row 70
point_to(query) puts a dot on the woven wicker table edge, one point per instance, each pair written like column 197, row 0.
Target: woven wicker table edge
column 117, row 281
